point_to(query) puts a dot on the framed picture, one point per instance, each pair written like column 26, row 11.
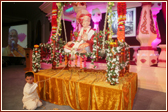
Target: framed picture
column 130, row 23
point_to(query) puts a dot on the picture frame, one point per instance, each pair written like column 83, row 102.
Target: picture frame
column 130, row 23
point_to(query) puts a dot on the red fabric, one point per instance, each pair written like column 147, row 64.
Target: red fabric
column 71, row 45
column 164, row 10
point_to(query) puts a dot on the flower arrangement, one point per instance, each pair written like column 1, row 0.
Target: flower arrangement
column 114, row 66
column 36, row 59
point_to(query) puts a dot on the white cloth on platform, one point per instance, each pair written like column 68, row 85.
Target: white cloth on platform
column 31, row 99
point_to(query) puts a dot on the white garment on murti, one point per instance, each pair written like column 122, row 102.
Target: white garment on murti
column 89, row 32
column 31, row 99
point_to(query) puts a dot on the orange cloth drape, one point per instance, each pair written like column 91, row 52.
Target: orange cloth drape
column 86, row 90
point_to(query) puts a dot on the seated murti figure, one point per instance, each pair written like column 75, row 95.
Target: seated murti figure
column 84, row 41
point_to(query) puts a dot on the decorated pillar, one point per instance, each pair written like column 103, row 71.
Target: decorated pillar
column 96, row 17
column 156, row 7
column 146, row 33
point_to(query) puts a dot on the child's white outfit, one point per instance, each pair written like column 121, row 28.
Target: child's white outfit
column 31, row 99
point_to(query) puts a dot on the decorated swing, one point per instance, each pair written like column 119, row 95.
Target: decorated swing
column 116, row 51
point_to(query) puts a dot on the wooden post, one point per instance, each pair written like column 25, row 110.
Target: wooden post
column 28, row 59
column 54, row 62
column 76, row 59
column 81, row 62
column 60, row 56
column 97, row 55
column 85, row 58
column 66, row 60
column 122, row 59
column 70, row 60
column 128, row 66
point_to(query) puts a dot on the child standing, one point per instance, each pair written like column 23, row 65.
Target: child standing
column 30, row 99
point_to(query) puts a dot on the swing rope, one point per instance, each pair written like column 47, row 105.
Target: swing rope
column 105, row 22
column 64, row 27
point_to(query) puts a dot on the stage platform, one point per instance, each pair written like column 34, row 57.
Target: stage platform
column 86, row 89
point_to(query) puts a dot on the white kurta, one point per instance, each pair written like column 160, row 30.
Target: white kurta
column 30, row 99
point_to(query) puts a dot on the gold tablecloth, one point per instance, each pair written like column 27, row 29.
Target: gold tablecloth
column 87, row 90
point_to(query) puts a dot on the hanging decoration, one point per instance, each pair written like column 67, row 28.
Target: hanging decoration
column 121, row 10
column 110, row 15
column 54, row 29
column 114, row 58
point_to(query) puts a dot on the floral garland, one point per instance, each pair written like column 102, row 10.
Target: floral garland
column 110, row 72
column 54, row 44
column 110, row 22
column 126, row 46
column 93, row 54
column 113, row 60
column 36, row 59
column 48, row 46
column 36, row 54
column 121, row 10
column 113, row 64
column 59, row 50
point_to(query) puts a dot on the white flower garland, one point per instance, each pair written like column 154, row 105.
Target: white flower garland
column 93, row 54
column 113, row 64
column 36, row 60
